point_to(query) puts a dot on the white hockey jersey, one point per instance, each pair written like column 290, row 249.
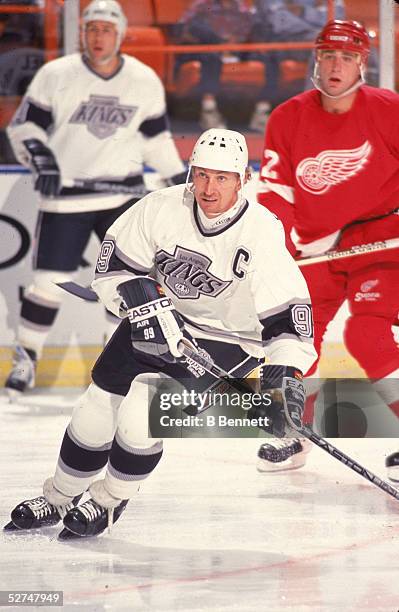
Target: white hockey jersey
column 102, row 129
column 234, row 282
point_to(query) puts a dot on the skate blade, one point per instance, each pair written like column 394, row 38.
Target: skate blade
column 264, row 466
column 11, row 527
column 66, row 534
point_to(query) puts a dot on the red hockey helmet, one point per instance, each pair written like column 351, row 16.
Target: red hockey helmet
column 344, row 35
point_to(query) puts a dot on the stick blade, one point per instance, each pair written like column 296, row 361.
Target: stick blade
column 85, row 293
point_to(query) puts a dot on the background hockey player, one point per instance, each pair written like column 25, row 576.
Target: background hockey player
column 330, row 171
column 98, row 115
column 219, row 274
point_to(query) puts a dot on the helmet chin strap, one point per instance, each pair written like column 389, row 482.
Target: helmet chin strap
column 316, row 82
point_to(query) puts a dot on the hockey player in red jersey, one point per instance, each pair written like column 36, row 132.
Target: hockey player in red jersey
column 330, row 172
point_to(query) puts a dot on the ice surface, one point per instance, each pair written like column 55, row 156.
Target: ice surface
column 207, row 531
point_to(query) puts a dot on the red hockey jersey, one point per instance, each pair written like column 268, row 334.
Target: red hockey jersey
column 321, row 171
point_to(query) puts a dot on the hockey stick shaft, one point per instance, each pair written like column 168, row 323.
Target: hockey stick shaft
column 361, row 249
column 212, row 368
column 305, row 431
column 138, row 191
column 308, row 433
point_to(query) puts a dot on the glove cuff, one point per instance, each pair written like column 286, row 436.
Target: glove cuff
column 139, row 290
column 35, row 146
column 272, row 375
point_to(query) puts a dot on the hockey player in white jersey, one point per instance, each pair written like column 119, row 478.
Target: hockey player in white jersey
column 86, row 126
column 197, row 261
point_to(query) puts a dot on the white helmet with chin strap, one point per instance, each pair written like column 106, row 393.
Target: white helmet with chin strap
column 109, row 11
column 342, row 36
column 221, row 149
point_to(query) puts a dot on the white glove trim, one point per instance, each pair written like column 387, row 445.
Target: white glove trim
column 171, row 332
column 295, row 386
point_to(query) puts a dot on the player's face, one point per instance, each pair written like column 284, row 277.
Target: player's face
column 338, row 70
column 215, row 190
column 101, row 39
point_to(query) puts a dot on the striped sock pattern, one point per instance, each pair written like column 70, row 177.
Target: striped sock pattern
column 78, row 464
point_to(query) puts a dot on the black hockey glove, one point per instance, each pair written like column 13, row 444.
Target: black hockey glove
column 177, row 179
column 284, row 414
column 48, row 176
column 156, row 326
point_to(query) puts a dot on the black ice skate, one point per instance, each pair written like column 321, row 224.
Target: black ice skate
column 22, row 375
column 90, row 519
column 392, row 465
column 38, row 512
column 280, row 454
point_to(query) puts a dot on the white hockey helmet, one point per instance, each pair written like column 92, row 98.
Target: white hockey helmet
column 109, row 11
column 221, row 149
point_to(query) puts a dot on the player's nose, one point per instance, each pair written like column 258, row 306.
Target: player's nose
column 210, row 185
column 337, row 63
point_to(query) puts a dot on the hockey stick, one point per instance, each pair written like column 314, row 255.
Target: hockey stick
column 85, row 293
column 88, row 294
column 361, row 249
column 106, row 187
column 305, row 431
column 308, row 433
column 211, row 367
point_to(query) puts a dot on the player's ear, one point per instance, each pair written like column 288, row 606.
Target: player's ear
column 248, row 175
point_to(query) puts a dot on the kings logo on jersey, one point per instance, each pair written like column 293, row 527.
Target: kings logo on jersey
column 187, row 275
column 103, row 115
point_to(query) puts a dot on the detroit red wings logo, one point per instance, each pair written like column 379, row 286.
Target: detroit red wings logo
column 318, row 174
